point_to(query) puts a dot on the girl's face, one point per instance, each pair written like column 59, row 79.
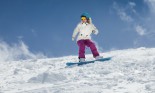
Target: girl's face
column 83, row 19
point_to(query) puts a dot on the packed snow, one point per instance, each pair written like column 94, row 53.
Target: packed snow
column 129, row 71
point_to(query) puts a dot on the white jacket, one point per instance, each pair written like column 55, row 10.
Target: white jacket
column 84, row 31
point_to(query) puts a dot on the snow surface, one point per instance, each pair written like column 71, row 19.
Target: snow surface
column 129, row 71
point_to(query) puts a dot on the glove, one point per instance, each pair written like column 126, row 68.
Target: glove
column 72, row 38
column 93, row 31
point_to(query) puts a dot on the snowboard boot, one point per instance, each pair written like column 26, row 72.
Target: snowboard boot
column 81, row 59
column 98, row 57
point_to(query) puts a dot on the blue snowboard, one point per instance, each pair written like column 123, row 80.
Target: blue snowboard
column 87, row 62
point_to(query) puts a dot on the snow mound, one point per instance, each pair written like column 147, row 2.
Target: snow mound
column 129, row 71
column 47, row 78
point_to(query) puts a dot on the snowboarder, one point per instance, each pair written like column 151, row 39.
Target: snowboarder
column 84, row 30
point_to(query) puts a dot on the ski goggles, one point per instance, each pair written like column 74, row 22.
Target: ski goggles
column 83, row 18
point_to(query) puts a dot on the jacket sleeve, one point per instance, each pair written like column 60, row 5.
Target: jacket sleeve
column 94, row 30
column 76, row 30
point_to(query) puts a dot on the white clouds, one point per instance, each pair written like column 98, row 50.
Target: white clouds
column 121, row 13
column 34, row 32
column 125, row 14
column 16, row 52
column 151, row 5
column 151, row 13
column 141, row 20
column 20, row 37
column 132, row 5
column 150, row 20
column 140, row 30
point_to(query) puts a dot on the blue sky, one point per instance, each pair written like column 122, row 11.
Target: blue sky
column 47, row 25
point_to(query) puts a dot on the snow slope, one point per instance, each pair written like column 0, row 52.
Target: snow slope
column 130, row 71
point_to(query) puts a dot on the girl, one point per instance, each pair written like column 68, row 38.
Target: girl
column 84, row 30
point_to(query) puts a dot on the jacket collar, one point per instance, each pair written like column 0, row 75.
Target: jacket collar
column 84, row 23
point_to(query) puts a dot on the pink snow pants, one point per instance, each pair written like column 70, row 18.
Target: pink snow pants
column 88, row 43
